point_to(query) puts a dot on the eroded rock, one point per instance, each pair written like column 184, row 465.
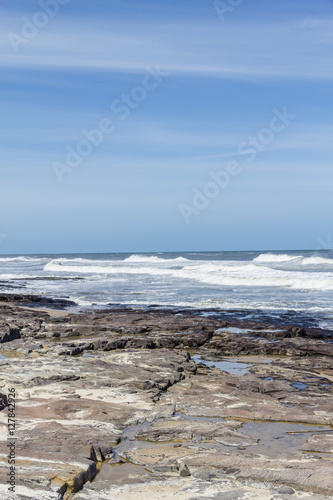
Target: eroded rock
column 118, row 387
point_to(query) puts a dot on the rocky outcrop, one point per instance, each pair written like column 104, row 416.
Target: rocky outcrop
column 124, row 328
column 110, row 404
column 8, row 333
column 14, row 298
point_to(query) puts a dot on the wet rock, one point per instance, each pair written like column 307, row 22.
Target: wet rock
column 230, row 438
column 322, row 443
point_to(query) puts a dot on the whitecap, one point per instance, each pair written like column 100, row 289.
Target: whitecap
column 270, row 257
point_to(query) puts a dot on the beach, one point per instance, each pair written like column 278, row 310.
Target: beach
column 159, row 402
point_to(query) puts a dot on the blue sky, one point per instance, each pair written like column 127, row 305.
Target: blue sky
column 224, row 79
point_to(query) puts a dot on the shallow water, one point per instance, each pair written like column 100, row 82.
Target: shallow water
column 274, row 439
column 232, row 367
column 299, row 385
column 232, row 329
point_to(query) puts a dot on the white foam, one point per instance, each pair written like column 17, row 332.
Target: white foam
column 314, row 261
column 22, row 259
column 14, row 276
column 153, row 258
column 257, row 276
column 271, row 257
column 214, row 273
column 81, row 301
column 79, row 260
column 107, row 269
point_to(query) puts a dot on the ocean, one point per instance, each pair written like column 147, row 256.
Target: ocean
column 279, row 285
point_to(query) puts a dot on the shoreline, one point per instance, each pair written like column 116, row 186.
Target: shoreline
column 119, row 402
column 53, row 305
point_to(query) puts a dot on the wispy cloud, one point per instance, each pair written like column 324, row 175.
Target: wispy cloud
column 242, row 50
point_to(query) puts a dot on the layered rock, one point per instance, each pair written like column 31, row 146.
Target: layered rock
column 110, row 404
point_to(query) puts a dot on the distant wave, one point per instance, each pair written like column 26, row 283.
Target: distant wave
column 106, row 269
column 79, row 260
column 14, row 276
column 214, row 273
column 271, row 257
column 59, row 266
column 110, row 262
column 313, row 261
column 21, row 259
column 257, row 276
column 153, row 258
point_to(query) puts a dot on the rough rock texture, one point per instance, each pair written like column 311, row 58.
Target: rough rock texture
column 74, row 409
column 110, row 405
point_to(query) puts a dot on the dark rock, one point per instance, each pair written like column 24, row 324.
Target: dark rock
column 3, row 401
column 9, row 334
column 286, row 490
column 35, row 299
column 184, row 470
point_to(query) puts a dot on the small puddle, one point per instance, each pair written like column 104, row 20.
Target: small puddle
column 129, row 434
column 72, row 338
column 233, row 329
column 299, row 385
column 232, row 367
column 182, row 416
column 267, row 341
column 208, row 314
column 188, row 332
column 11, row 354
column 277, row 438
column 236, row 330
column 126, row 471
column 259, row 359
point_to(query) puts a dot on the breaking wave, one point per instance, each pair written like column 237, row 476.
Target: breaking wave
column 270, row 257
column 22, row 259
column 314, row 261
column 153, row 258
column 214, row 273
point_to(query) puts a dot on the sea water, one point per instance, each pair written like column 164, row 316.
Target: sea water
column 274, row 283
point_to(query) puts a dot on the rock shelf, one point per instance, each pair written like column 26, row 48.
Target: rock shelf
column 134, row 404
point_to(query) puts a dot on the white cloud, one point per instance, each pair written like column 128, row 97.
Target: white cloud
column 251, row 50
